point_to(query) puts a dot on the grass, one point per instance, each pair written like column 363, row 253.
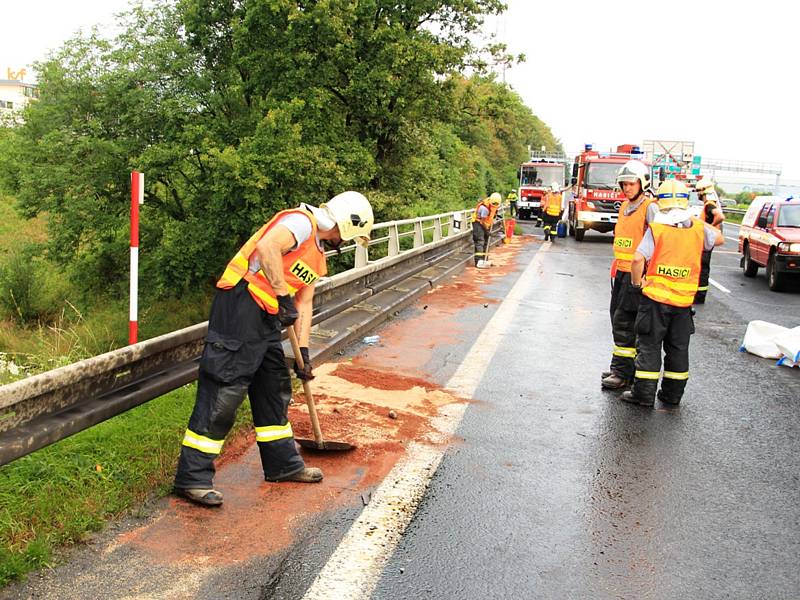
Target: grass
column 14, row 230
column 57, row 495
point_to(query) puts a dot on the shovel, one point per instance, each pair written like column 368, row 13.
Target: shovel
column 317, row 443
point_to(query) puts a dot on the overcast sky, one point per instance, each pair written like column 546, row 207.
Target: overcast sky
column 721, row 74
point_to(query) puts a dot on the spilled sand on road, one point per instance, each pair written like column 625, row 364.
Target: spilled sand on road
column 407, row 346
column 354, row 399
column 260, row 518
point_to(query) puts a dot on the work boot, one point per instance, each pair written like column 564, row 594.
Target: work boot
column 667, row 400
column 307, row 475
column 628, row 397
column 605, row 374
column 207, row 497
column 614, row 382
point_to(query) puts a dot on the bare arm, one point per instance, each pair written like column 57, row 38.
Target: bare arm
column 720, row 239
column 270, row 249
column 718, row 217
column 637, row 269
column 304, row 300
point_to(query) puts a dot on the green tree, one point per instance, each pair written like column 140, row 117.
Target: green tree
column 234, row 109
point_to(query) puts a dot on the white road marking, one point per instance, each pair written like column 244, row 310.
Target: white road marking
column 727, row 237
column 719, row 286
column 352, row 572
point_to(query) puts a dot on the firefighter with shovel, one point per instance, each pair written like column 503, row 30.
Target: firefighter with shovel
column 482, row 220
column 268, row 285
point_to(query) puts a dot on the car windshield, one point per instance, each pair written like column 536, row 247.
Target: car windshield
column 601, row 176
column 789, row 216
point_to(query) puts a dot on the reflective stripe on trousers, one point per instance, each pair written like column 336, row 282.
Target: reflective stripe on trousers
column 662, row 325
column 242, row 356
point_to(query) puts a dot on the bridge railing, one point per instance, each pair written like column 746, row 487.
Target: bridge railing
column 45, row 408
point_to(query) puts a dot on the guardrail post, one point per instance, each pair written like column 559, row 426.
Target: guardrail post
column 362, row 256
column 452, row 220
column 394, row 240
column 419, row 239
column 437, row 229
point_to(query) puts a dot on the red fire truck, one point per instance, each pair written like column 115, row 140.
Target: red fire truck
column 597, row 197
column 535, row 180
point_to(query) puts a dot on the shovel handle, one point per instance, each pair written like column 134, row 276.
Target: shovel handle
column 312, row 409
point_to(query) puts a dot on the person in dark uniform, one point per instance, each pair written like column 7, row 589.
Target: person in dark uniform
column 669, row 258
column 512, row 202
column 635, row 214
column 713, row 215
column 268, row 285
column 482, row 221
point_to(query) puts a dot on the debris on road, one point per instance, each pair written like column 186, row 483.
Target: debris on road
column 769, row 340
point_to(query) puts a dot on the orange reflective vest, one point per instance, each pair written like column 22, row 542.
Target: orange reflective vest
column 552, row 204
column 486, row 222
column 301, row 266
column 674, row 270
column 628, row 232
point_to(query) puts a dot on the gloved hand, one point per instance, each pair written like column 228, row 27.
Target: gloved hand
column 287, row 311
column 305, row 373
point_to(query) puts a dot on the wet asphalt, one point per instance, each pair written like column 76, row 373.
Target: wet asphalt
column 559, row 490
column 556, row 489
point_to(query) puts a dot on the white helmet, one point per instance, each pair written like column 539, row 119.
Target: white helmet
column 555, row 187
column 495, row 199
column 634, row 170
column 352, row 212
column 703, row 184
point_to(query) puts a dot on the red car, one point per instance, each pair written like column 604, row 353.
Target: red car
column 770, row 237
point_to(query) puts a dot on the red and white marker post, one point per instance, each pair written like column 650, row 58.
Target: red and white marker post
column 137, row 198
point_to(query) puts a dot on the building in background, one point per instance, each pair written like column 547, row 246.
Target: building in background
column 15, row 93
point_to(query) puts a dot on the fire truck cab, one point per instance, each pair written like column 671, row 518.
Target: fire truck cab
column 597, row 197
column 535, row 180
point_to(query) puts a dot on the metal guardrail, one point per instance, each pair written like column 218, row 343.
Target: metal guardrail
column 45, row 408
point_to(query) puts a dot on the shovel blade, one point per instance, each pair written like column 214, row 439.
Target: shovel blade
column 325, row 446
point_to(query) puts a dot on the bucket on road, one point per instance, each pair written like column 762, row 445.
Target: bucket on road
column 561, row 230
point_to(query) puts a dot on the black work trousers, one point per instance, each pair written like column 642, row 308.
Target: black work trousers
column 624, row 308
column 550, row 226
column 660, row 325
column 480, row 238
column 705, row 273
column 513, row 205
column 242, row 354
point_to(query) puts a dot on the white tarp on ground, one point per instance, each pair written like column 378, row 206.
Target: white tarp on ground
column 769, row 340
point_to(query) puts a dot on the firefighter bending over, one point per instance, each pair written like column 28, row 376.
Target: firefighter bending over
column 268, row 285
column 482, row 219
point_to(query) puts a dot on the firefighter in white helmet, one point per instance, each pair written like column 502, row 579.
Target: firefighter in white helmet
column 551, row 211
column 713, row 215
column 482, row 220
column 267, row 285
column 666, row 271
column 635, row 213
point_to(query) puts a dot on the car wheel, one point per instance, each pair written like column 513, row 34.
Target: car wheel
column 774, row 279
column 749, row 267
